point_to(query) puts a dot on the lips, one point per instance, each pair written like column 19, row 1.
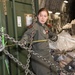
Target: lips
column 42, row 21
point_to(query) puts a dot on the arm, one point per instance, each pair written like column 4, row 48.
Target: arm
column 24, row 39
column 27, row 35
column 52, row 36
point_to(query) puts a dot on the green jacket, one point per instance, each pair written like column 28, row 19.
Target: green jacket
column 40, row 33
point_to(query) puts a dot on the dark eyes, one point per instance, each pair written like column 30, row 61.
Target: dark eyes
column 43, row 15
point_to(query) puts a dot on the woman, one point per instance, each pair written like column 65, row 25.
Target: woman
column 41, row 32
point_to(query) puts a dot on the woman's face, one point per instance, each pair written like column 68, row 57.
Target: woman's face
column 42, row 17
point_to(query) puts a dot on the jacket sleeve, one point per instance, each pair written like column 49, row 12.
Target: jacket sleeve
column 24, row 39
column 52, row 36
column 27, row 36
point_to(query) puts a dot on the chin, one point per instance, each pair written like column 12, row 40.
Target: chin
column 43, row 22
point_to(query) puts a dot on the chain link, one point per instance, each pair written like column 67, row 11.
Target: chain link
column 28, row 60
column 36, row 54
column 17, row 61
column 14, row 59
column 29, row 55
column 26, row 68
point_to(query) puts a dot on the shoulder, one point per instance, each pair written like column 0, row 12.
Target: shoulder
column 35, row 25
column 33, row 28
column 47, row 27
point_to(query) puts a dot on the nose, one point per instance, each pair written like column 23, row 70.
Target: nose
column 42, row 17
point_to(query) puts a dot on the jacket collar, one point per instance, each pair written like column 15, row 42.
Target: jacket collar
column 40, row 24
